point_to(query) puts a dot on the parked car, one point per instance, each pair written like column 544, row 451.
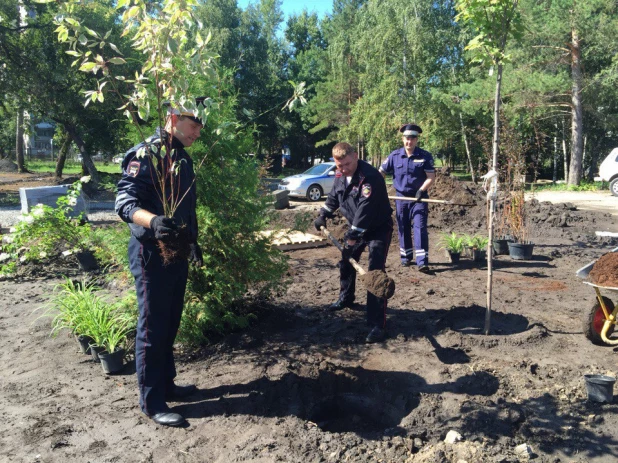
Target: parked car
column 311, row 184
column 608, row 171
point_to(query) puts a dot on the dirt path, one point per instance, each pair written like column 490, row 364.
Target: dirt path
column 301, row 386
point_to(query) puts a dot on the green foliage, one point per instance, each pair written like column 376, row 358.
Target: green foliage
column 80, row 308
column 110, row 248
column 84, row 310
column 475, row 241
column 452, row 242
column 46, row 232
column 239, row 263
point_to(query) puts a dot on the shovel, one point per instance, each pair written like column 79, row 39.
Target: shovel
column 436, row 201
column 377, row 282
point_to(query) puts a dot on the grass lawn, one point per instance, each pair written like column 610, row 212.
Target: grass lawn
column 71, row 167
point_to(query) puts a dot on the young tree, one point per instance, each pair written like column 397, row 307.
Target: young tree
column 494, row 21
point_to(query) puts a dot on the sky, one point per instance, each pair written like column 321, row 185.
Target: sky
column 289, row 7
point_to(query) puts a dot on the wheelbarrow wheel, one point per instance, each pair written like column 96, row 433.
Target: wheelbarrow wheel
column 594, row 319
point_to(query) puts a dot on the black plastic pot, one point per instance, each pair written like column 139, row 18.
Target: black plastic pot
column 95, row 351
column 521, row 251
column 87, row 261
column 501, row 247
column 454, row 256
column 479, row 255
column 84, row 343
column 112, row 363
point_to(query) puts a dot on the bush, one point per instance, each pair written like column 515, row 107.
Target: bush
column 46, row 232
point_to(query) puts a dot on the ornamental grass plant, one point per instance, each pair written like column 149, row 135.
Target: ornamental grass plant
column 451, row 242
column 85, row 310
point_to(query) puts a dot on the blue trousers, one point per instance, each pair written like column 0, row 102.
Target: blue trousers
column 160, row 296
column 378, row 242
column 412, row 217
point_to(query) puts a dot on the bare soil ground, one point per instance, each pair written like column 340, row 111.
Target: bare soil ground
column 301, row 386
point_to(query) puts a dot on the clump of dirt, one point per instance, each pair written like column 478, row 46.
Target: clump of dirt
column 339, row 230
column 605, row 270
column 377, row 282
column 6, row 165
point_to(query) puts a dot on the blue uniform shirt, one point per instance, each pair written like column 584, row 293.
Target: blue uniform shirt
column 140, row 189
column 409, row 173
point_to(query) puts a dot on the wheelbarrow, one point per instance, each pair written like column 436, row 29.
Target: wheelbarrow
column 599, row 321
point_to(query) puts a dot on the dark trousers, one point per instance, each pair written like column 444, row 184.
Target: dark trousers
column 160, row 296
column 378, row 242
column 412, row 217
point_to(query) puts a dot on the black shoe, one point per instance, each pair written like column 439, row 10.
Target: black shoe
column 180, row 392
column 424, row 269
column 339, row 305
column 168, row 419
column 377, row 334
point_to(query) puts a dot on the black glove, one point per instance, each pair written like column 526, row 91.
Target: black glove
column 164, row 228
column 419, row 194
column 196, row 256
column 320, row 222
column 352, row 235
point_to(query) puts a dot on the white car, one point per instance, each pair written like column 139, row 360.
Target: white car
column 608, row 171
column 311, row 184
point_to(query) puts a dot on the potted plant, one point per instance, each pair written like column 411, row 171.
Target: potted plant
column 453, row 244
column 67, row 309
column 501, row 243
column 478, row 245
column 520, row 248
column 113, row 334
column 108, row 325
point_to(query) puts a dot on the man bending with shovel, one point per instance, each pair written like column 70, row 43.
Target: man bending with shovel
column 359, row 192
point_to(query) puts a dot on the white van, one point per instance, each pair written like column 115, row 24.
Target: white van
column 608, row 171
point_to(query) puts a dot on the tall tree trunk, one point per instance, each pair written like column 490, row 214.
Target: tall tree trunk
column 62, row 155
column 565, row 155
column 492, row 200
column 467, row 145
column 577, row 128
column 555, row 175
column 19, row 141
column 86, row 159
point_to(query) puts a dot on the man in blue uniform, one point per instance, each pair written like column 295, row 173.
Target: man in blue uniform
column 413, row 174
column 160, row 160
column 359, row 192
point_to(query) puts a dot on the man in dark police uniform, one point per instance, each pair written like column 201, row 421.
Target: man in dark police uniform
column 160, row 286
column 359, row 192
column 413, row 174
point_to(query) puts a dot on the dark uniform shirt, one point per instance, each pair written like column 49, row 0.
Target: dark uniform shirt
column 139, row 187
column 409, row 173
column 364, row 202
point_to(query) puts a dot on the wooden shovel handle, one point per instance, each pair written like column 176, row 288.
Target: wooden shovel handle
column 334, row 240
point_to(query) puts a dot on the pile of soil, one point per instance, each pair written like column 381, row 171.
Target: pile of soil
column 605, row 270
column 6, row 165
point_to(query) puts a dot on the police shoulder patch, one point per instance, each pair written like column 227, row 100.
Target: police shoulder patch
column 366, row 190
column 133, row 168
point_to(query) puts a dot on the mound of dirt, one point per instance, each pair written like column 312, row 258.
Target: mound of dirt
column 605, row 270
column 6, row 165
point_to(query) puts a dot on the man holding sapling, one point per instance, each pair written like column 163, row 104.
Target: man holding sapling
column 413, row 174
column 359, row 192
column 157, row 198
